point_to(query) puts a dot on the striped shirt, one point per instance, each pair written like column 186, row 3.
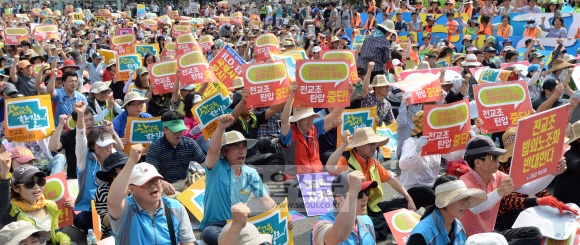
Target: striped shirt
column 377, row 50
column 173, row 162
column 101, row 207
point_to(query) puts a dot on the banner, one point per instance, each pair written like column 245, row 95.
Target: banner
column 489, row 75
column 538, row 145
column 169, row 49
column 316, row 192
column 194, row 69
column 423, row 88
column 391, row 132
column 46, row 32
column 192, row 198
column 402, row 222
column 343, row 55
column 322, row 84
column 179, row 30
column 142, row 131
column 297, row 53
column 267, row 84
column 502, row 105
column 356, row 118
column 123, row 44
column 450, row 73
column 289, row 62
column 206, row 42
column 227, row 65
column 150, row 48
column 56, row 189
column 209, row 109
column 15, row 35
column 162, row 76
column 28, row 118
column 264, row 44
column 186, row 43
column 127, row 63
column 275, row 223
column 447, row 126
column 140, row 10
column 124, row 31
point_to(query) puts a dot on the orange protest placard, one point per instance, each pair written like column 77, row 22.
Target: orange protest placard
column 227, row 65
column 447, row 126
column 538, row 145
column 186, row 43
column 46, row 32
column 402, row 222
column 127, row 63
column 169, row 49
column 502, row 105
column 267, row 83
column 179, row 30
column 15, row 35
column 56, row 189
column 123, row 44
column 343, row 55
column 423, row 88
column 162, row 76
column 96, row 221
column 264, row 44
column 194, row 69
column 205, row 42
column 322, row 83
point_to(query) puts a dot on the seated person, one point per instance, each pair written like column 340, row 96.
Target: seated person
column 241, row 232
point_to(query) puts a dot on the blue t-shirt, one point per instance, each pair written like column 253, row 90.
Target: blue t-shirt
column 64, row 103
column 318, row 124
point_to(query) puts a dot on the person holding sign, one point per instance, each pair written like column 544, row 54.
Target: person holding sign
column 23, row 199
column 133, row 107
column 570, row 177
column 482, row 156
column 146, row 215
column 228, row 179
column 347, row 222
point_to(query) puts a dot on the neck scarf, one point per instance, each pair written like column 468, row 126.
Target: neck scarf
column 378, row 34
column 503, row 30
column 24, row 206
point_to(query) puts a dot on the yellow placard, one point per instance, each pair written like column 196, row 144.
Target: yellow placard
column 356, row 118
column 28, row 118
column 192, row 198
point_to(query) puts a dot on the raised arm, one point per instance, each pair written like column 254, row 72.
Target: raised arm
column 51, row 82
column 213, row 153
column 285, row 120
column 332, row 162
column 175, row 92
column 54, row 142
column 108, row 126
column 367, row 80
column 13, row 71
column 120, row 186
column 240, row 106
column 81, row 147
column 329, row 119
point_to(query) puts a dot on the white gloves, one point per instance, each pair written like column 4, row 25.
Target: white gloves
column 444, row 94
column 472, row 134
column 421, row 142
column 196, row 130
column 406, row 95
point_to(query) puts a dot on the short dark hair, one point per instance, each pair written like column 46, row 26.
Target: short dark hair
column 476, row 52
column 333, row 4
column 414, row 13
column 68, row 74
column 470, row 159
column 171, row 115
column 450, row 14
column 398, row 13
column 510, row 54
column 75, row 115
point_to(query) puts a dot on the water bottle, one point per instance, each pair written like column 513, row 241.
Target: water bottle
column 497, row 144
column 91, row 238
column 394, row 160
column 379, row 156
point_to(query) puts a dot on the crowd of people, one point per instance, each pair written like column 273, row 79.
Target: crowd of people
column 134, row 188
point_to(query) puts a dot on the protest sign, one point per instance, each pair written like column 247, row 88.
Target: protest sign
column 227, row 65
column 46, row 32
column 522, row 66
column 224, row 20
column 162, row 76
column 36, row 69
column 391, row 132
column 538, row 145
column 126, row 63
column 169, row 49
column 402, row 222
column 316, row 192
column 22, row 17
column 151, row 24
column 445, row 62
column 209, row 109
column 186, row 43
column 142, row 131
column 576, row 76
column 289, row 61
column 28, row 118
column 297, row 53
column 206, row 42
column 267, row 84
column 69, row 8
column 123, row 44
column 73, row 188
column 488, row 75
column 275, row 223
column 76, row 16
column 96, row 221
column 192, row 198
column 194, row 69
column 56, row 189
column 264, row 44
column 356, row 118
column 322, row 84
column 140, row 10
column 423, row 88
column 501, row 105
column 15, row 35
column 124, row 31
column 173, row 14
column 343, row 55
column 447, row 126
column 179, row 30
column 450, row 73
column 573, row 239
column 108, row 55
column 150, row 48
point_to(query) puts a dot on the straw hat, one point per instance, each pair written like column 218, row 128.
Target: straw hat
column 334, row 39
column 234, row 136
column 574, row 133
column 381, row 80
column 17, row 231
column 301, row 113
column 238, row 83
column 453, row 191
column 112, row 62
column 387, row 26
column 365, row 136
column 418, row 122
column 457, row 56
column 560, row 64
column 133, row 96
column 423, row 65
column 508, row 138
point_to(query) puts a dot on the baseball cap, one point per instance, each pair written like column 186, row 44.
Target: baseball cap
column 97, row 56
column 340, row 184
column 471, row 49
column 22, row 154
column 141, row 70
column 249, row 235
column 483, row 144
column 188, row 87
column 397, row 62
column 15, row 232
column 143, row 173
column 10, row 89
column 316, row 49
column 490, row 49
column 486, row 238
column 23, row 63
column 105, row 140
column 175, row 125
column 535, row 55
column 25, row 173
column 533, row 67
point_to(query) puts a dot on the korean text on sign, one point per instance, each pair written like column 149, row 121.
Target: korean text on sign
column 316, row 192
column 162, row 76
column 423, row 88
column 356, row 118
column 28, row 118
column 447, row 126
column 207, row 111
column 267, row 83
column 322, row 83
column 227, row 65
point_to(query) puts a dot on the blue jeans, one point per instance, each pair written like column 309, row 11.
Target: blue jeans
column 56, row 165
column 211, row 232
column 202, row 143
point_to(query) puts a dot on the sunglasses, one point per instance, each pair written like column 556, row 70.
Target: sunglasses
column 40, row 182
column 366, row 192
column 491, row 157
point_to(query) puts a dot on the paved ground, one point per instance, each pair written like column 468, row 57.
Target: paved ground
column 302, row 228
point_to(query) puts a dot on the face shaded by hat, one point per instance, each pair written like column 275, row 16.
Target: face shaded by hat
column 454, row 191
column 113, row 162
column 15, row 232
column 483, row 144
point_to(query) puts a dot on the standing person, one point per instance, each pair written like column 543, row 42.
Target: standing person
column 377, row 48
column 345, row 16
column 146, row 215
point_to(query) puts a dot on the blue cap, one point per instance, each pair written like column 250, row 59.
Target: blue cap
column 534, row 67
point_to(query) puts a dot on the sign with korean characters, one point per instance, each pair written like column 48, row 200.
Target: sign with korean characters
column 289, row 61
column 264, row 44
column 28, row 118
column 402, row 222
column 104, row 12
column 162, row 76
column 224, row 20
column 538, row 145
column 522, row 66
column 192, row 198
column 186, row 43
column 445, row 62
column 46, row 32
column 227, row 65
column 194, row 69
column 316, row 192
column 123, row 44
column 391, row 132
column 450, row 73
column 124, row 31
column 502, row 105
column 149, row 48
column 173, row 15
column 142, row 131
column 356, row 118
column 423, row 88
column 56, row 189
column 267, row 83
column 206, row 42
column 297, row 53
column 169, row 49
column 179, row 30
column 15, row 35
column 151, row 24
column 322, row 84
column 76, row 16
column 140, row 10
column 69, row 8
column 209, row 109
column 150, row 16
column 127, row 63
column 447, row 126
column 275, row 223
column 343, row 55
column 489, row 75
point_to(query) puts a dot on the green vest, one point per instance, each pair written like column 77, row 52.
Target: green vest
column 376, row 193
column 263, row 10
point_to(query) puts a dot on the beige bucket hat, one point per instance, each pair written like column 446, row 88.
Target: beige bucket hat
column 381, row 80
column 234, row 136
column 453, row 191
column 508, row 138
column 365, row 136
column 574, row 133
column 301, row 113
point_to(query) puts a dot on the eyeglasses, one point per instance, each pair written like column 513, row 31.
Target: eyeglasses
column 155, row 181
column 135, row 104
column 367, row 192
column 31, row 183
column 491, row 157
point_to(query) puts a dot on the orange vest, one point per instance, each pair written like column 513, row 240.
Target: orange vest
column 302, row 157
column 372, row 8
column 451, row 29
column 428, row 29
column 529, row 32
column 370, row 23
column 356, row 22
column 468, row 9
column 503, row 31
column 484, row 30
column 578, row 34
